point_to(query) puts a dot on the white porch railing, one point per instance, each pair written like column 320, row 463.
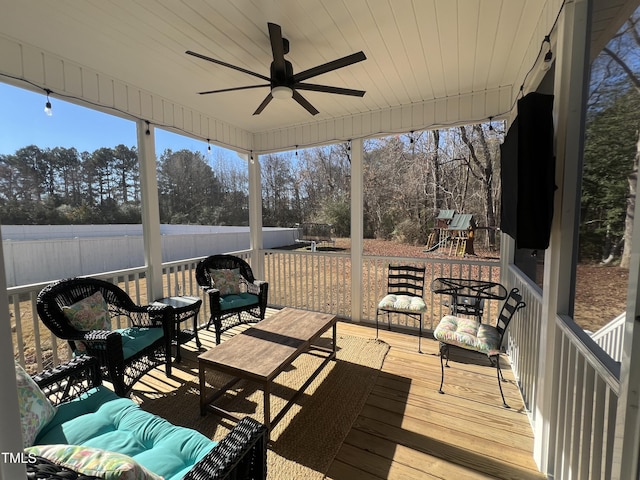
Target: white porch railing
column 610, row 337
column 37, row 348
column 586, row 383
column 322, row 282
column 314, row 281
column 586, row 386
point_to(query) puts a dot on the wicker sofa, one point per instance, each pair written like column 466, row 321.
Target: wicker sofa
column 90, row 415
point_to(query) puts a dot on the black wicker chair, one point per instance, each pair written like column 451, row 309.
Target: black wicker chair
column 241, row 454
column 122, row 370
column 245, row 302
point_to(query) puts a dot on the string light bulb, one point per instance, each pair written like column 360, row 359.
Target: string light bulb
column 411, row 140
column 147, row 131
column 47, row 106
column 492, row 131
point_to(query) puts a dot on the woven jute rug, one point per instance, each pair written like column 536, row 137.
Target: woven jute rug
column 307, row 439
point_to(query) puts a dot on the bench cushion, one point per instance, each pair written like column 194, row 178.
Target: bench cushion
column 468, row 333
column 101, row 419
column 406, row 303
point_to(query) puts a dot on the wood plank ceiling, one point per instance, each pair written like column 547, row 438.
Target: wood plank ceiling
column 437, row 62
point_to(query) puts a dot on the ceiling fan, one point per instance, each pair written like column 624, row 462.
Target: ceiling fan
column 282, row 81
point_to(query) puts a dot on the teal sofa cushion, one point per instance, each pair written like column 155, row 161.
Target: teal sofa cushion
column 103, row 420
column 135, row 339
column 237, row 301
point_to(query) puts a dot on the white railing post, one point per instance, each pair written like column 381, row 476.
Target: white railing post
column 150, row 209
column 357, row 228
column 256, row 241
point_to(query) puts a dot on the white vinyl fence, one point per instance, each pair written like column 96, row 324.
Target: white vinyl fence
column 46, row 253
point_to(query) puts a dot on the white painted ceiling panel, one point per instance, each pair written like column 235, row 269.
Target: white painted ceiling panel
column 417, row 51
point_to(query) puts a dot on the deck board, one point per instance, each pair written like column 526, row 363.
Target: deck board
column 407, row 430
column 407, row 426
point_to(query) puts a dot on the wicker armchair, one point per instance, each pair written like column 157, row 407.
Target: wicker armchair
column 235, row 296
column 126, row 354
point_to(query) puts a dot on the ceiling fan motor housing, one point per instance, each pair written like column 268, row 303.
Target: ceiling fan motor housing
column 282, row 78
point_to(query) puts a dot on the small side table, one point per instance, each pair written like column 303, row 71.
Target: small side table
column 184, row 308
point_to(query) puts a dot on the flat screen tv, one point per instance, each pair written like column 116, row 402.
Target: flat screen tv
column 528, row 173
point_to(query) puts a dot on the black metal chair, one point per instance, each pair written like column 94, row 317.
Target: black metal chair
column 125, row 354
column 235, row 296
column 405, row 291
column 470, row 334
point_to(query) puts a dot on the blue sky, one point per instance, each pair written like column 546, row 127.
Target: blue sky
column 23, row 122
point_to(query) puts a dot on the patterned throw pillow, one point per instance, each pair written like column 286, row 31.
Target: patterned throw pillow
column 226, row 280
column 94, row 461
column 90, row 313
column 35, row 408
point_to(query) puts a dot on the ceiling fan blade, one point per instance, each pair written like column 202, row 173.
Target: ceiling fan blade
column 277, row 47
column 233, row 89
column 304, row 102
column 228, row 65
column 264, row 103
column 330, row 66
column 327, row 89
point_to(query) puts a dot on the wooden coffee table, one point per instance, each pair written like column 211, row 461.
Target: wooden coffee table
column 263, row 351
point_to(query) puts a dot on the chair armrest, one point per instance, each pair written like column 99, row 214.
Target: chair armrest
column 214, row 297
column 210, row 290
column 258, row 287
column 147, row 315
column 242, row 454
column 69, row 380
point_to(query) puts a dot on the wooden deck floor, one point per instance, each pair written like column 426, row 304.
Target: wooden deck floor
column 407, row 430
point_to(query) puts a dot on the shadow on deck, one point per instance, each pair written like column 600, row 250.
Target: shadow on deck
column 406, row 429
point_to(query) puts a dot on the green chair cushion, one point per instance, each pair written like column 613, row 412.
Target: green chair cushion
column 135, row 339
column 229, row 302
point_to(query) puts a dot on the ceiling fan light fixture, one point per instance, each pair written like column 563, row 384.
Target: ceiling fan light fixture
column 281, row 92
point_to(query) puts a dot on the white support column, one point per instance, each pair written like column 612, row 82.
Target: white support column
column 255, row 216
column 357, row 228
column 627, row 434
column 570, row 87
column 10, row 427
column 150, row 210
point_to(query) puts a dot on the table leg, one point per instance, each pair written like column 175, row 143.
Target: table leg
column 267, row 405
column 203, row 394
column 335, row 336
column 195, row 330
column 178, row 355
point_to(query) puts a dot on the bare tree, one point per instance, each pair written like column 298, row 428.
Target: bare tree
column 481, row 166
